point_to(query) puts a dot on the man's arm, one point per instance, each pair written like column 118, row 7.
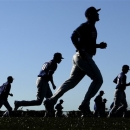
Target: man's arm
column 11, row 94
column 128, row 84
column 102, row 45
column 50, row 74
column 123, row 82
column 115, row 80
column 75, row 38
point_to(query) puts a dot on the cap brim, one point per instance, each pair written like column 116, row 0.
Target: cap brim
column 98, row 9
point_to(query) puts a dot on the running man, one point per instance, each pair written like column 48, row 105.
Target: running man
column 43, row 88
column 84, row 40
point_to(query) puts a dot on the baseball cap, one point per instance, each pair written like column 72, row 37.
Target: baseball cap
column 125, row 67
column 91, row 10
column 58, row 55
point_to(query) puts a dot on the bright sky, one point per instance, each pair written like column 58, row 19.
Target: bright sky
column 31, row 31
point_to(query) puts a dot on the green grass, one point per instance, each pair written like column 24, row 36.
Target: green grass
column 75, row 123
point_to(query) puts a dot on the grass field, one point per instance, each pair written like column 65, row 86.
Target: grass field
column 38, row 123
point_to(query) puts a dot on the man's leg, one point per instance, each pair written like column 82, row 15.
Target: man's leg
column 95, row 113
column 76, row 76
column 9, row 109
column 51, row 112
column 1, row 103
column 123, row 108
column 91, row 70
column 117, row 102
column 42, row 86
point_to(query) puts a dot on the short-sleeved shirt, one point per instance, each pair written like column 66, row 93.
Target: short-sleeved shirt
column 59, row 107
column 98, row 100
column 87, row 34
column 48, row 67
column 121, row 81
column 6, row 91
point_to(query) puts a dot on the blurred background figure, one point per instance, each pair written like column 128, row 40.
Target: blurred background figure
column 4, row 93
column 59, row 108
column 120, row 103
column 104, row 107
column 98, row 105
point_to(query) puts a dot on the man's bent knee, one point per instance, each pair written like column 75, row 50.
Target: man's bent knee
column 99, row 80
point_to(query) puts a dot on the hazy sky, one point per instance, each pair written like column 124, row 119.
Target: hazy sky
column 31, row 31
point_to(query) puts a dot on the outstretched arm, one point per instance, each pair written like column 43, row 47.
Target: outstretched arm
column 128, row 84
column 102, row 45
column 52, row 82
column 115, row 80
column 11, row 94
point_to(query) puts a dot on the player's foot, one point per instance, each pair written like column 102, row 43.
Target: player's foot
column 85, row 110
column 16, row 106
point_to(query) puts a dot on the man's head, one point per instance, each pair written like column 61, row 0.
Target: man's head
column 10, row 79
column 58, row 57
column 61, row 101
column 91, row 14
column 105, row 100
column 125, row 68
column 101, row 92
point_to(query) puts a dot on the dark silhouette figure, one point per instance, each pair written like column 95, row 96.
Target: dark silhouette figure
column 84, row 40
column 104, row 107
column 59, row 108
column 123, row 113
column 120, row 103
column 99, row 104
column 43, row 88
column 4, row 93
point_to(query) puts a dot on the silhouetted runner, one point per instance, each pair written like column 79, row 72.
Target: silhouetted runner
column 98, row 102
column 120, row 103
column 84, row 40
column 59, row 108
column 4, row 93
column 43, row 88
column 104, row 107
